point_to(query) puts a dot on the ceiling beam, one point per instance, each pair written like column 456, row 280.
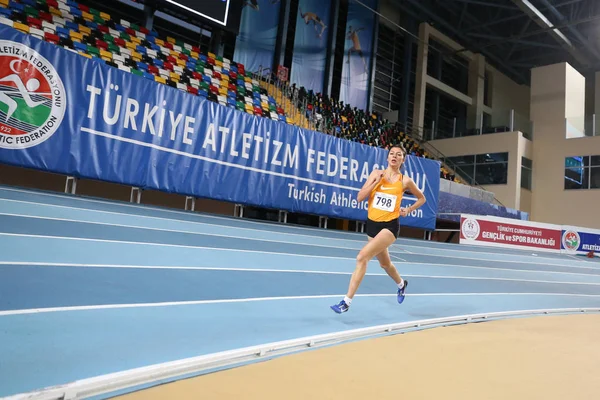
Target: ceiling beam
column 516, row 40
column 539, row 18
column 418, row 4
column 488, row 4
column 572, row 29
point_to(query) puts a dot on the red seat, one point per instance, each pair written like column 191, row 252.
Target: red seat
column 52, row 3
column 130, row 31
column 232, row 87
column 52, row 38
column 84, row 8
column 101, row 44
column 169, row 45
column 172, row 60
column 34, row 22
column 216, row 75
column 233, row 75
column 197, row 75
column 192, row 90
column 120, row 42
column 214, row 89
column 153, row 69
column 168, row 66
column 103, row 29
column 184, row 57
column 44, row 16
column 258, row 111
column 144, row 30
column 196, row 49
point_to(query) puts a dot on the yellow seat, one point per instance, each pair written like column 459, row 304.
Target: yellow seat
column 55, row 11
column 21, row 27
column 87, row 16
column 76, row 36
column 135, row 56
column 194, row 55
column 174, row 76
column 211, row 55
column 4, row 3
column 136, row 40
column 105, row 16
column 160, row 79
column 84, row 30
column 171, row 40
column 223, row 91
column 159, row 42
column 130, row 45
column 181, row 62
column 106, row 55
column 86, row 55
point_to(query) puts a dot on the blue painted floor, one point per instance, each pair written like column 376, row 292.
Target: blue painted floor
column 90, row 287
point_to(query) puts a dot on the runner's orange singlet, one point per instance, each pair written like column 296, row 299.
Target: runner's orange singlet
column 385, row 199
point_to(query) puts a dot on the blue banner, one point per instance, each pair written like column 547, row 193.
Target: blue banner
column 310, row 44
column 255, row 43
column 106, row 124
column 358, row 51
column 577, row 240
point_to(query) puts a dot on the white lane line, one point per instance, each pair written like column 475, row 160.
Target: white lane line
column 54, row 238
column 177, row 221
column 256, row 299
column 264, row 225
column 179, row 231
column 290, row 271
column 165, row 210
column 392, row 253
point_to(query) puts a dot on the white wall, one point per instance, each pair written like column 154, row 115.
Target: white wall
column 512, row 142
column 506, row 95
column 557, row 91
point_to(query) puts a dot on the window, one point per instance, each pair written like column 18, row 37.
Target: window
column 481, row 169
column 526, row 173
column 582, row 172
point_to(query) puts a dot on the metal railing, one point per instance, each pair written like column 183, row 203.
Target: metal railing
column 299, row 105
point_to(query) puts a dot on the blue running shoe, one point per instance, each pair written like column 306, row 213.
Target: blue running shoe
column 401, row 292
column 341, row 307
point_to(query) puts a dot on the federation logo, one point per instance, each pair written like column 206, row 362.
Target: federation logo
column 470, row 229
column 571, row 240
column 32, row 97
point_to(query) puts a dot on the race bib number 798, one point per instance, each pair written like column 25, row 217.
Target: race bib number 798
column 384, row 202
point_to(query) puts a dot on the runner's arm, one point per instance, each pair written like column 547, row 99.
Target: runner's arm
column 373, row 179
column 412, row 187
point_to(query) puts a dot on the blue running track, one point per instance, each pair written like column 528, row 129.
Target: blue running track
column 92, row 287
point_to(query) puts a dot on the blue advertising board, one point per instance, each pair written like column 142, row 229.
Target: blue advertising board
column 64, row 113
column 576, row 240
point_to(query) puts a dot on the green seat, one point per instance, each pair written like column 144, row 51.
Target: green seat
column 136, row 72
column 125, row 36
column 93, row 11
column 113, row 48
column 108, row 38
column 99, row 20
column 93, row 51
column 135, row 27
column 32, row 11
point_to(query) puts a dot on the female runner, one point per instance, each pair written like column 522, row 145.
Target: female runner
column 385, row 190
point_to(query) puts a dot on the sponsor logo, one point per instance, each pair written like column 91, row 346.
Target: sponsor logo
column 32, row 97
column 571, row 240
column 470, row 229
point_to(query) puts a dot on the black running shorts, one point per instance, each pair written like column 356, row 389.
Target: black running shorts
column 373, row 228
